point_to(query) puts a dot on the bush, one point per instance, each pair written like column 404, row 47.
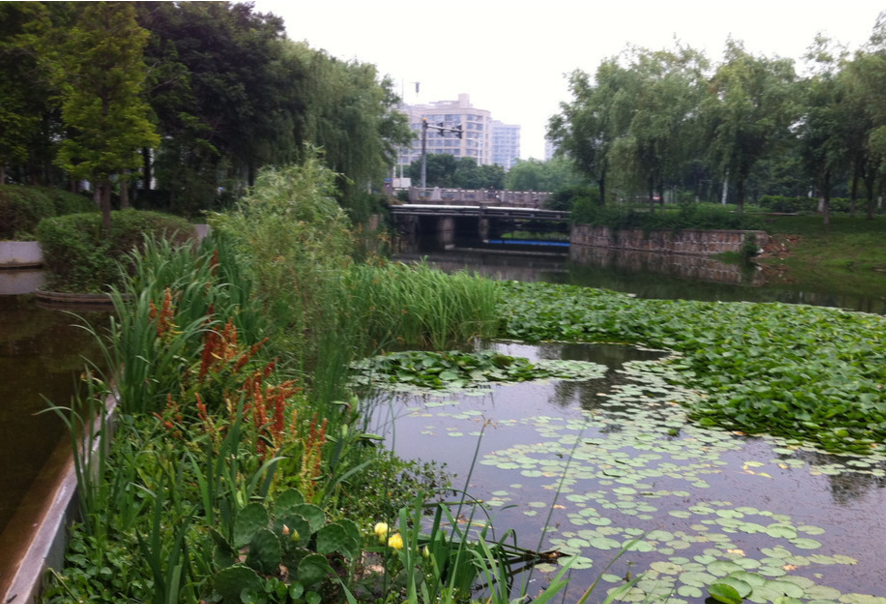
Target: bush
column 21, row 210
column 564, row 200
column 78, row 258
column 66, row 202
column 689, row 216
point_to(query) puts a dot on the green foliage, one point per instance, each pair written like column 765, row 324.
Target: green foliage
column 79, row 258
column 101, row 73
column 795, row 371
column 565, row 199
column 454, row 369
column 26, row 91
column 21, row 210
column 294, row 242
column 398, row 304
column 66, row 202
column 752, row 106
column 688, row 216
column 805, row 204
column 536, row 175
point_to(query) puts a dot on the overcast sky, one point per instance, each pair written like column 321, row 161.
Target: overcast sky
column 511, row 56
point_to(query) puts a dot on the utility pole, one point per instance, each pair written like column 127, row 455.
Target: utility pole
column 442, row 130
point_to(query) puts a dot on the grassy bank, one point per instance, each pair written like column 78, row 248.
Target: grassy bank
column 847, row 255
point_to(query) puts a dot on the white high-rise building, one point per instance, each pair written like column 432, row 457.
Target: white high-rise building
column 505, row 144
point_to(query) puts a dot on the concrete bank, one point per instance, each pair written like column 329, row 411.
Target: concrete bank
column 38, row 533
column 685, row 241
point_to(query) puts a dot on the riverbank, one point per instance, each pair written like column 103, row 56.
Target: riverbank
column 846, row 256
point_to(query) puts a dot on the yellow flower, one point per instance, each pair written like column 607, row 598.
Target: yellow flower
column 395, row 541
column 381, row 531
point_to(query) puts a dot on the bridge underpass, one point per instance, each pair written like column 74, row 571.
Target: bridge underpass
column 429, row 227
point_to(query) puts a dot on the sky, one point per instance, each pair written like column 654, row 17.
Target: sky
column 512, row 57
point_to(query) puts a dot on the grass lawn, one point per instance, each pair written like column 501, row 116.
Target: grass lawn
column 847, row 255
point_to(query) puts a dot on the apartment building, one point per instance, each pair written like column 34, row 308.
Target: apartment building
column 505, row 144
column 476, row 128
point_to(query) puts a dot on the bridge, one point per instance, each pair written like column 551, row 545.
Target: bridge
column 441, row 226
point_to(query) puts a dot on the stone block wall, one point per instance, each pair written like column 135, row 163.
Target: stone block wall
column 687, row 241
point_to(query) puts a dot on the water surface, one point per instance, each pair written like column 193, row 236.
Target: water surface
column 627, row 464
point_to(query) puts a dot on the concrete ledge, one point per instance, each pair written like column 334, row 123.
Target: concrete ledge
column 20, row 254
column 44, row 547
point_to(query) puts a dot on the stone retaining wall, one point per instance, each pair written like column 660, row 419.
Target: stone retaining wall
column 686, row 241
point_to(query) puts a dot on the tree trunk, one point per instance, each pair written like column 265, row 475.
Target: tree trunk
column 602, row 184
column 651, row 185
column 2, row 174
column 739, row 189
column 124, row 195
column 869, row 177
column 147, row 173
column 826, row 196
column 853, row 189
column 725, row 188
column 103, row 191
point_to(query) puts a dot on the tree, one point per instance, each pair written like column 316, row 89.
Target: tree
column 749, row 112
column 101, row 75
column 222, row 94
column 440, row 170
column 350, row 114
column 536, row 175
column 583, row 130
column 822, row 129
column 657, row 115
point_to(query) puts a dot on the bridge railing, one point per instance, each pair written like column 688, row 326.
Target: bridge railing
column 520, row 199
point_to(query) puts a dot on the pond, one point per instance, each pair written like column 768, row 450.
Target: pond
column 656, row 276
column 614, row 459
column 41, row 359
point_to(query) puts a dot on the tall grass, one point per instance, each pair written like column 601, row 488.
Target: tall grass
column 415, row 305
column 162, row 312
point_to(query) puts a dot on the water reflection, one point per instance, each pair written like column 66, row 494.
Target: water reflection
column 637, row 467
column 652, row 276
column 40, row 359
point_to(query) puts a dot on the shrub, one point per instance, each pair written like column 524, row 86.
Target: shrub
column 66, row 202
column 21, row 210
column 689, row 216
column 565, row 199
column 79, row 259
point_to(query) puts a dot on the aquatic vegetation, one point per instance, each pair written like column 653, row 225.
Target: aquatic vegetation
column 454, row 369
column 803, row 372
column 699, row 511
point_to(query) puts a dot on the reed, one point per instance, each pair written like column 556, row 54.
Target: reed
column 416, row 305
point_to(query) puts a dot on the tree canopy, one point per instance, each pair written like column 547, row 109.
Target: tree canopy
column 197, row 96
column 671, row 124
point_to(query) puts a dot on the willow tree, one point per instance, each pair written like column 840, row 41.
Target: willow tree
column 101, row 73
column 350, row 114
column 749, row 111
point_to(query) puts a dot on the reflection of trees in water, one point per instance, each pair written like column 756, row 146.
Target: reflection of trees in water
column 611, row 355
column 566, row 394
column 848, row 486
